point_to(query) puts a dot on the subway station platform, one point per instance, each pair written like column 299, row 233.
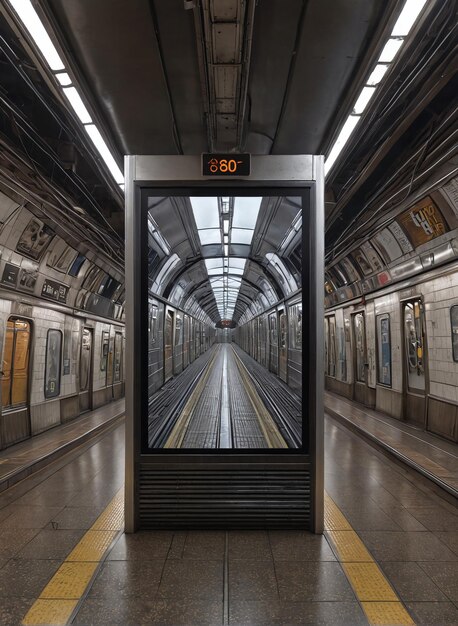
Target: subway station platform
column 389, row 554
column 432, row 457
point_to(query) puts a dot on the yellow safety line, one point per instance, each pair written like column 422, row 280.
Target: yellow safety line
column 59, row 599
column 176, row 437
column 378, row 599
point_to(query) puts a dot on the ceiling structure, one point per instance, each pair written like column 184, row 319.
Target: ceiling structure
column 191, row 76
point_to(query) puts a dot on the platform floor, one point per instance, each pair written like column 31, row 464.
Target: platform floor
column 389, row 554
column 432, row 456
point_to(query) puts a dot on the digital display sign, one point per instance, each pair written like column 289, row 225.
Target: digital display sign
column 226, row 164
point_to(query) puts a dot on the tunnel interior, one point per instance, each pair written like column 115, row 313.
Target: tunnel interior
column 220, row 267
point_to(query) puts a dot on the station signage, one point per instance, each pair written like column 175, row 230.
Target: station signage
column 226, row 165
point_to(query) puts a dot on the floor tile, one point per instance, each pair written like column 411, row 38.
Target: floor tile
column 12, row 541
column 71, row 518
column 445, row 575
column 204, row 545
column 187, row 580
column 299, row 546
column 403, row 546
column 252, row 580
column 30, row 517
column 368, row 517
column 128, row 578
column 411, row 582
column 433, row 613
column 195, row 612
column 26, row 578
column 450, row 539
column 405, row 520
column 435, row 518
column 249, row 545
column 51, row 544
column 274, row 613
column 144, row 545
column 307, row 581
column 13, row 610
column 125, row 610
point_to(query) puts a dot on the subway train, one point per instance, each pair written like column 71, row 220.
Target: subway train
column 274, row 339
column 61, row 324
column 397, row 351
column 175, row 340
column 55, row 367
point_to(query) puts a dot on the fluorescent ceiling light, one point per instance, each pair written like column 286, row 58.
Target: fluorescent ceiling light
column 390, row 50
column 246, row 212
column 77, row 104
column 363, row 99
column 377, row 74
column 64, row 79
column 226, row 239
column 226, row 250
column 209, row 235
column 240, row 235
column 408, row 17
column 104, row 152
column 225, row 227
column 34, row 25
column 341, row 140
column 205, row 212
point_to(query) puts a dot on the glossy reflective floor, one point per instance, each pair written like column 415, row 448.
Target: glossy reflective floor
column 238, row 578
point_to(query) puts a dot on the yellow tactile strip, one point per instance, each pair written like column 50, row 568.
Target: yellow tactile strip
column 378, row 599
column 60, row 597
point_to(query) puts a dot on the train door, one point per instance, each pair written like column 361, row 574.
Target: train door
column 186, row 341
column 414, row 362
column 283, row 345
column 117, row 366
column 85, row 394
column 273, row 343
column 178, row 349
column 360, row 365
column 168, row 346
column 15, row 381
column 256, row 339
column 192, row 341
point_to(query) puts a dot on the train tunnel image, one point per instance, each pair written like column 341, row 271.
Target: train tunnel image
column 224, row 302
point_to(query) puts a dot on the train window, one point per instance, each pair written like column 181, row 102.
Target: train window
column 414, row 345
column 296, row 326
column 15, row 367
column 66, row 258
column 153, row 323
column 52, row 365
column 384, row 350
column 104, row 351
column 91, row 277
column 454, row 324
column 76, row 265
column 360, row 347
column 117, row 357
column 177, row 330
column 331, row 360
column 273, row 329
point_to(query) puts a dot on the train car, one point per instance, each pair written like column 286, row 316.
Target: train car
column 274, row 339
column 55, row 366
column 175, row 340
column 397, row 351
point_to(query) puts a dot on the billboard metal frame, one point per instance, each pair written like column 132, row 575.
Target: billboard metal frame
column 165, row 490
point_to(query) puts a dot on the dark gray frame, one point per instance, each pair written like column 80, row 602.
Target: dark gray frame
column 300, row 476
